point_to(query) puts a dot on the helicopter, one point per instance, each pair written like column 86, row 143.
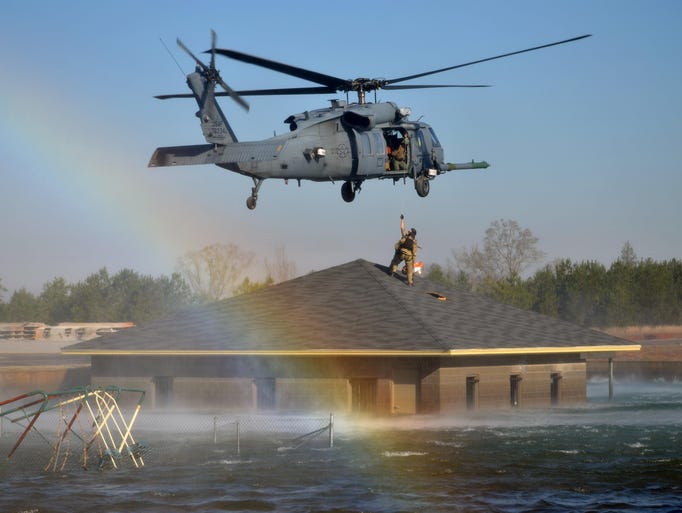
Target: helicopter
column 345, row 142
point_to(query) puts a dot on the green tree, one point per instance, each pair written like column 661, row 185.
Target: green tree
column 92, row 298
column 128, row 296
column 437, row 274
column 247, row 286
column 621, row 302
column 172, row 293
column 654, row 288
column 23, row 307
column 542, row 287
column 511, row 291
column 581, row 292
column 139, row 298
column 56, row 301
column 587, row 285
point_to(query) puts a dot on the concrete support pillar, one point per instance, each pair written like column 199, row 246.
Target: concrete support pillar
column 610, row 379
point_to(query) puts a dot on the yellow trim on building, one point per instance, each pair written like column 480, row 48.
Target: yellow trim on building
column 543, row 350
column 357, row 352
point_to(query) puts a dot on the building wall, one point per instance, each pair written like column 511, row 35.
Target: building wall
column 20, row 380
column 318, row 394
column 383, row 386
column 445, row 389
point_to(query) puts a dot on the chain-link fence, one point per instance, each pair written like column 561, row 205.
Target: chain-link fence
column 294, row 430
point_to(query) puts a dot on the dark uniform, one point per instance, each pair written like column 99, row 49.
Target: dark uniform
column 405, row 249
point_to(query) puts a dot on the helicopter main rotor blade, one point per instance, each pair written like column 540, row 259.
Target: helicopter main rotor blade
column 313, row 76
column 265, row 92
column 216, row 76
column 169, row 96
column 288, row 91
column 189, row 52
column 418, row 75
column 214, row 37
column 430, row 86
column 233, row 94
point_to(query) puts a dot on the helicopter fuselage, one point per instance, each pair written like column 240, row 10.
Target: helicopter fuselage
column 344, row 142
column 322, row 145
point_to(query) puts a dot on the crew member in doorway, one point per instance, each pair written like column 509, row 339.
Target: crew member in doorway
column 398, row 155
column 405, row 249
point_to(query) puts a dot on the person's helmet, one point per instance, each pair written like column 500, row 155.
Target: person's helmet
column 413, row 232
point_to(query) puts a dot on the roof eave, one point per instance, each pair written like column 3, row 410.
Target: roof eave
column 355, row 352
column 543, row 350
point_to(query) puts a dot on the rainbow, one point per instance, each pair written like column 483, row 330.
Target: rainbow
column 65, row 149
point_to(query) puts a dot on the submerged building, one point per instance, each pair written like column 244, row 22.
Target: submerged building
column 351, row 338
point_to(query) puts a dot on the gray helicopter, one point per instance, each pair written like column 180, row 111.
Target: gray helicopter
column 345, row 142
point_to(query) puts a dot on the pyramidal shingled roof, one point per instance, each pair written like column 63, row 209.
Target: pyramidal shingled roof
column 353, row 308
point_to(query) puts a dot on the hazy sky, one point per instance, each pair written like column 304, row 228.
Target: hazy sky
column 584, row 139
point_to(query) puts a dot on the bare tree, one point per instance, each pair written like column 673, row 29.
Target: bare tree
column 281, row 269
column 507, row 251
column 214, row 271
column 627, row 254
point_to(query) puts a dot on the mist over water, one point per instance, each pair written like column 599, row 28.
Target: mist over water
column 624, row 455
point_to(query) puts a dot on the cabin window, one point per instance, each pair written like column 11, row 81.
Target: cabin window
column 379, row 144
column 265, row 394
column 472, row 392
column 366, row 145
column 555, row 388
column 515, row 390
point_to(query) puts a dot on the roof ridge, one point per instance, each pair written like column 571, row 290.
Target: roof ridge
column 402, row 304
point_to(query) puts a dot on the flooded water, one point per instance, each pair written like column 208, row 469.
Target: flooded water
column 624, row 455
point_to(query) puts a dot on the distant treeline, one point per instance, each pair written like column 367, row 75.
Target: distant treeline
column 628, row 293
column 643, row 292
column 126, row 296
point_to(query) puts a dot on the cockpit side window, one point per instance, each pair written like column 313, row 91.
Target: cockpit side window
column 434, row 139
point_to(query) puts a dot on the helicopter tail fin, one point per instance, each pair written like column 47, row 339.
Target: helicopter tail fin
column 214, row 125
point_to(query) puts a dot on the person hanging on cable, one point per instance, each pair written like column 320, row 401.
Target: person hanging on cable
column 405, row 249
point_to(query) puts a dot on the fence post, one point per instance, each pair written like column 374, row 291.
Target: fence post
column 331, row 430
column 238, row 440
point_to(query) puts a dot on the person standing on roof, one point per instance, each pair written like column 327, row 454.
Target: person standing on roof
column 405, row 249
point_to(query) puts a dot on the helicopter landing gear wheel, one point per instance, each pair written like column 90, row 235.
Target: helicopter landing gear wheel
column 251, row 200
column 347, row 192
column 423, row 186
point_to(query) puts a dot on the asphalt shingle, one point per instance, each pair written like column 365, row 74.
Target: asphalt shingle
column 355, row 306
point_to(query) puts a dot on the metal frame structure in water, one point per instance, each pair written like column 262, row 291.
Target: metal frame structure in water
column 106, row 434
